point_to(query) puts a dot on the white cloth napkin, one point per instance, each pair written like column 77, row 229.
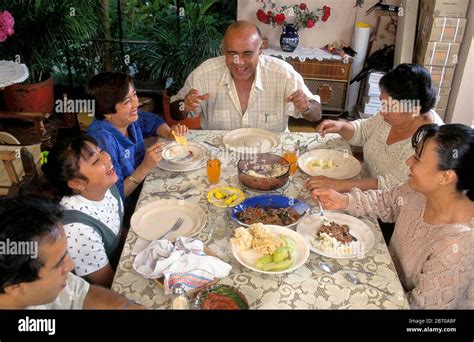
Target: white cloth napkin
column 184, row 262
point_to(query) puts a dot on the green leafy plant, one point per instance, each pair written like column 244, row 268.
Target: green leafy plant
column 47, row 30
column 180, row 40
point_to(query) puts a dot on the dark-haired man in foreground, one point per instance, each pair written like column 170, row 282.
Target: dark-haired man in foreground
column 35, row 268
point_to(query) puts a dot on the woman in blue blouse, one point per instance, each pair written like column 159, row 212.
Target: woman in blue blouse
column 119, row 129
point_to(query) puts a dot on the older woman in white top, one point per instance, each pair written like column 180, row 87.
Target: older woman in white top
column 407, row 100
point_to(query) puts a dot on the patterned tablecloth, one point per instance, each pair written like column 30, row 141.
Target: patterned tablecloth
column 306, row 288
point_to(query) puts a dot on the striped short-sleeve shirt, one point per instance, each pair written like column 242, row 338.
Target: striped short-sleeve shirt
column 267, row 108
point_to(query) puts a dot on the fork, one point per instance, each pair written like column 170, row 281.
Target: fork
column 176, row 226
column 306, row 147
column 186, row 189
column 174, row 174
column 211, row 144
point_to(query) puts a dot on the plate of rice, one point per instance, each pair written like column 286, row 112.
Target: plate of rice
column 258, row 240
column 336, row 235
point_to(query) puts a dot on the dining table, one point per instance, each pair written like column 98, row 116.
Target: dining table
column 307, row 287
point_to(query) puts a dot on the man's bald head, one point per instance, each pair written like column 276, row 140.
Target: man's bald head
column 242, row 46
column 241, row 29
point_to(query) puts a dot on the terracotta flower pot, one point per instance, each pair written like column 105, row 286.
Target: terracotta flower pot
column 193, row 123
column 38, row 97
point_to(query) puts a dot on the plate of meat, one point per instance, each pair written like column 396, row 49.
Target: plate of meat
column 336, row 235
column 270, row 209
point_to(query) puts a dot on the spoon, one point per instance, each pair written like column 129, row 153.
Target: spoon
column 189, row 156
column 353, row 279
column 321, row 211
column 331, row 268
column 211, row 144
column 298, row 207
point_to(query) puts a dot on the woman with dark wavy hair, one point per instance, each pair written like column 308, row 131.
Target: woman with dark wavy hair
column 432, row 246
column 93, row 209
column 407, row 97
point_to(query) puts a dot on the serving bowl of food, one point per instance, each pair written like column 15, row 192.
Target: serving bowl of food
column 270, row 209
column 220, row 297
column 264, row 172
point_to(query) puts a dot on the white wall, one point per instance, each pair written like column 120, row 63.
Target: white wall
column 461, row 99
column 340, row 26
column 406, row 32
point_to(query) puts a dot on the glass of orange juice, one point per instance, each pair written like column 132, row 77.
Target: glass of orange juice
column 213, row 169
column 290, row 153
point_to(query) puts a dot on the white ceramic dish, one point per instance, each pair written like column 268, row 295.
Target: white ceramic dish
column 309, row 226
column 249, row 257
column 153, row 220
column 344, row 164
column 174, row 151
column 240, row 139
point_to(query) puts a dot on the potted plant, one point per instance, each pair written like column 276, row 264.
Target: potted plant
column 180, row 40
column 44, row 30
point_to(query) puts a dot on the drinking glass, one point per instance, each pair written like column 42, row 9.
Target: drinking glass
column 253, row 146
column 213, row 169
column 290, row 153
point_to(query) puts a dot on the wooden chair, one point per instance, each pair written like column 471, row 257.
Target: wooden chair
column 30, row 182
column 18, row 163
column 30, row 173
column 8, row 157
column 37, row 119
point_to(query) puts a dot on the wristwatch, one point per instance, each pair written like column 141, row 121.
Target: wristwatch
column 306, row 111
column 133, row 180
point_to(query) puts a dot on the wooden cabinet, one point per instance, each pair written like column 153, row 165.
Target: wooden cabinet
column 328, row 78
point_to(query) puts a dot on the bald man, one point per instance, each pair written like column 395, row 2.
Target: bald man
column 244, row 88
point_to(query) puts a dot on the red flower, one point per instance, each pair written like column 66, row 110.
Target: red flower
column 326, row 13
column 6, row 25
column 262, row 16
column 301, row 16
column 279, row 19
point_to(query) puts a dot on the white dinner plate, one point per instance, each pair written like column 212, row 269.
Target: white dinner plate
column 344, row 164
column 156, row 218
column 235, row 139
column 248, row 258
column 174, row 150
column 309, row 226
column 164, row 165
